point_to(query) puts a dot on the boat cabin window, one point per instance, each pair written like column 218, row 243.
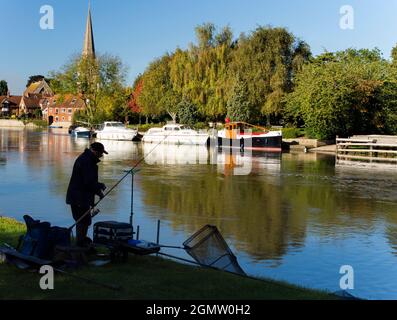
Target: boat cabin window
column 176, row 129
column 115, row 125
column 168, row 128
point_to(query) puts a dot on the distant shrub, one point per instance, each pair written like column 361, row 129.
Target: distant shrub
column 291, row 133
column 145, row 127
column 200, row 126
column 39, row 123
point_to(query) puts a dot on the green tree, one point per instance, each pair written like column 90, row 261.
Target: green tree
column 158, row 96
column 98, row 81
column 345, row 93
column 35, row 78
column 200, row 73
column 238, row 106
column 3, row 88
column 266, row 60
column 187, row 112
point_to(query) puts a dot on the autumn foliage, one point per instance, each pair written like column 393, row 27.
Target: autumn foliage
column 133, row 103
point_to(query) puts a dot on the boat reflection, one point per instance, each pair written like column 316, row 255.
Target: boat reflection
column 119, row 150
column 169, row 154
column 228, row 161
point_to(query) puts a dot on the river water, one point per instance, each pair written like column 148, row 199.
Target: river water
column 292, row 217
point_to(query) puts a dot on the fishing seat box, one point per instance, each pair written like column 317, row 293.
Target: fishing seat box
column 110, row 232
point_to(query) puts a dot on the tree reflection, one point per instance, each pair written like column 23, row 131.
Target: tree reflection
column 269, row 211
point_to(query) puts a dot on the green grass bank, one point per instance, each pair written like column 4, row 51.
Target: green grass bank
column 142, row 277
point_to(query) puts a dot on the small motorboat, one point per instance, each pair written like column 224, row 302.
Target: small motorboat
column 82, row 132
column 247, row 136
column 176, row 134
column 112, row 130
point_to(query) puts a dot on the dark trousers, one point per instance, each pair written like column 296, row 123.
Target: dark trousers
column 82, row 226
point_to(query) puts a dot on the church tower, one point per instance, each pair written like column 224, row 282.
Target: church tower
column 89, row 46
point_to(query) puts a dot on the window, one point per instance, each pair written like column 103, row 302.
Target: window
column 70, row 110
column 56, row 111
column 73, row 101
column 63, row 118
column 51, row 110
column 63, row 110
column 56, row 119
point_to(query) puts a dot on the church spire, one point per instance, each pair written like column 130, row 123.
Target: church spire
column 89, row 46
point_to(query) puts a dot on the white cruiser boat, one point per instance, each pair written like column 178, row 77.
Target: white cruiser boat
column 112, row 130
column 175, row 134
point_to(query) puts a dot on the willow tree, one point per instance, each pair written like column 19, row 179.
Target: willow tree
column 200, row 73
column 266, row 60
column 157, row 95
column 98, row 81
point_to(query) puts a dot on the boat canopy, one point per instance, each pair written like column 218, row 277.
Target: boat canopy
column 242, row 125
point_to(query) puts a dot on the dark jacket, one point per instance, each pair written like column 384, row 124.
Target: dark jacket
column 84, row 185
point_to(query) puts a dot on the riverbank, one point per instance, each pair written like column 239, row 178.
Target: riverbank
column 10, row 123
column 142, row 277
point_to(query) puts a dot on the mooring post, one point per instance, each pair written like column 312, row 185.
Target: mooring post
column 132, row 198
column 158, row 232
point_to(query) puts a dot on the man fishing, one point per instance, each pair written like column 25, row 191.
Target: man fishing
column 83, row 187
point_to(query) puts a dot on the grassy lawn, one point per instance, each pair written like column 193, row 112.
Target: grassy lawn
column 142, row 277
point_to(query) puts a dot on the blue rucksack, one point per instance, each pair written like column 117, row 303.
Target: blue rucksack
column 41, row 239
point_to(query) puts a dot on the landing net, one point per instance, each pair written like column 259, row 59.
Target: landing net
column 208, row 247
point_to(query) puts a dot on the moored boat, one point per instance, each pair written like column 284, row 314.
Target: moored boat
column 81, row 132
column 175, row 134
column 248, row 136
column 112, row 130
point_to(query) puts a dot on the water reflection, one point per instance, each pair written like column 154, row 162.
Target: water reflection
column 228, row 162
column 292, row 216
column 119, row 150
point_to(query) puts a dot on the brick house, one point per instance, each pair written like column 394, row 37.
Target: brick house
column 59, row 109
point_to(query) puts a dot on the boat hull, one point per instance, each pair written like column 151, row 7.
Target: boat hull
column 272, row 143
column 176, row 139
column 82, row 134
column 119, row 136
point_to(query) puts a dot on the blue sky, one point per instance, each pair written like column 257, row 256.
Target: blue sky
column 139, row 31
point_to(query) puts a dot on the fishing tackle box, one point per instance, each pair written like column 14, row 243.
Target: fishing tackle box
column 108, row 232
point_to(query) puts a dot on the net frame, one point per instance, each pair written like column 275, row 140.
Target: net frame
column 208, row 247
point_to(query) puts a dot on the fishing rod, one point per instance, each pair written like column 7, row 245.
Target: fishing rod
column 92, row 281
column 95, row 212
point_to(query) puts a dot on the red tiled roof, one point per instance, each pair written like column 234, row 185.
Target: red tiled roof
column 65, row 101
column 16, row 100
column 31, row 102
